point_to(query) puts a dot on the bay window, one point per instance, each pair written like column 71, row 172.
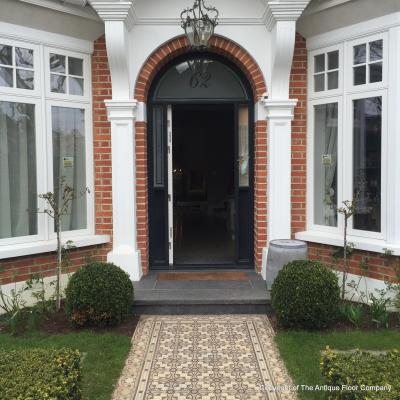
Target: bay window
column 45, row 134
column 347, row 146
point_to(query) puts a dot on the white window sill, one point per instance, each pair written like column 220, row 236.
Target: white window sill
column 46, row 246
column 360, row 243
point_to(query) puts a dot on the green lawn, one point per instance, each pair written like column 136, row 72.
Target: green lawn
column 105, row 355
column 301, row 352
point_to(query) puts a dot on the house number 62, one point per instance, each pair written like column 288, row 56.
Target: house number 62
column 199, row 79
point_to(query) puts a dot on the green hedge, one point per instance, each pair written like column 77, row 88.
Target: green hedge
column 365, row 375
column 40, row 374
column 99, row 294
column 305, row 295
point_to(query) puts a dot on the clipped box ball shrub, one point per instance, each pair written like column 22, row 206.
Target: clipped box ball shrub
column 362, row 375
column 40, row 374
column 305, row 295
column 98, row 294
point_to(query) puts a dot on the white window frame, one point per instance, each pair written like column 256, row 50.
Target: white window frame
column 86, row 97
column 40, row 168
column 310, row 170
column 345, row 95
column 348, row 160
column 311, row 68
column 89, row 167
column 350, row 87
column 44, row 99
column 37, row 68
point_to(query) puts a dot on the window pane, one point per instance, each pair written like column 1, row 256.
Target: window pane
column 375, row 50
column 367, row 139
column 75, row 66
column 333, row 80
column 359, row 54
column 23, row 57
column 18, row 190
column 359, row 75
column 333, row 60
column 325, row 164
column 158, row 146
column 375, row 72
column 319, row 63
column 57, row 83
column 24, row 79
column 319, row 83
column 243, row 146
column 76, row 86
column 68, row 126
column 5, row 54
column 6, row 77
column 57, row 63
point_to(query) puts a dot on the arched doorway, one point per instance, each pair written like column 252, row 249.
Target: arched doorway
column 200, row 164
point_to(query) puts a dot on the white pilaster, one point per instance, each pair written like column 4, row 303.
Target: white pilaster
column 125, row 254
column 281, row 19
column 121, row 111
column 279, row 116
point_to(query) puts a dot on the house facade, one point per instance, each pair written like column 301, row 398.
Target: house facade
column 195, row 157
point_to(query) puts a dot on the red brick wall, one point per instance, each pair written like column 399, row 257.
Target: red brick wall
column 21, row 268
column 247, row 64
column 379, row 265
column 141, row 194
column 298, row 90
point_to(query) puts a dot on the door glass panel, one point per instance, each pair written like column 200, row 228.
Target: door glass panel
column 325, row 164
column 69, row 161
column 158, row 146
column 200, row 78
column 367, row 139
column 243, row 161
column 18, row 190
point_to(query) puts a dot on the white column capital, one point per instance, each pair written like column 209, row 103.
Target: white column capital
column 115, row 11
column 289, row 10
column 280, row 109
column 121, row 110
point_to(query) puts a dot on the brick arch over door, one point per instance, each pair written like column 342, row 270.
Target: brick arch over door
column 218, row 44
column 250, row 68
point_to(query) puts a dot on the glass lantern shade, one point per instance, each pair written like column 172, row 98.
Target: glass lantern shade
column 204, row 30
column 190, row 30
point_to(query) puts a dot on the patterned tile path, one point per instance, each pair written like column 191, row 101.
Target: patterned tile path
column 203, row 358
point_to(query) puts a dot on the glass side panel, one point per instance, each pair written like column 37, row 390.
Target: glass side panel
column 243, row 144
column 69, row 162
column 367, row 160
column 158, row 146
column 325, row 164
column 200, row 79
column 18, row 189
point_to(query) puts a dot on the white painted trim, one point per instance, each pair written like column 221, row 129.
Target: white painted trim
column 46, row 246
column 170, row 188
column 65, row 8
column 325, row 93
column 393, row 145
column 367, row 285
column 125, row 254
column 35, row 36
column 352, row 32
column 310, row 164
column 283, row 11
column 315, row 7
column 360, row 243
column 27, row 294
column 121, row 11
column 86, row 61
column 279, row 115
